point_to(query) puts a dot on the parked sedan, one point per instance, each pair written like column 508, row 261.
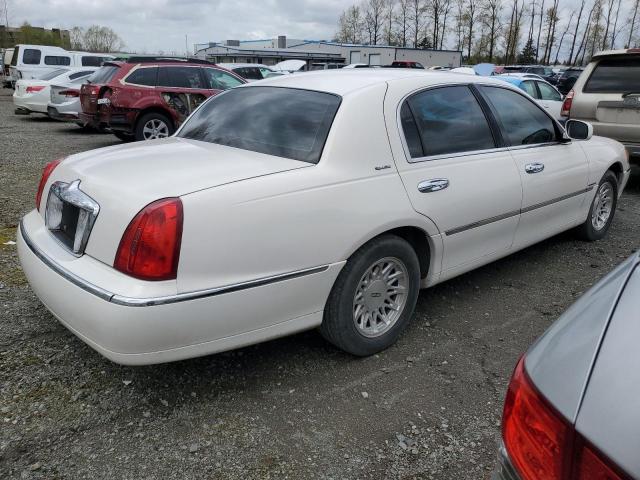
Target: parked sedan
column 32, row 96
column 571, row 410
column 545, row 93
column 319, row 200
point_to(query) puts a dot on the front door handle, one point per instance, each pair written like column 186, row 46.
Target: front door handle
column 534, row 167
column 433, row 185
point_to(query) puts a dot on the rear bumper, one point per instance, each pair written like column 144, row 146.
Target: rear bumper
column 122, row 122
column 25, row 104
column 56, row 114
column 504, row 470
column 154, row 327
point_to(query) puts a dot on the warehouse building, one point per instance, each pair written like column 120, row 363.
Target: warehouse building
column 272, row 51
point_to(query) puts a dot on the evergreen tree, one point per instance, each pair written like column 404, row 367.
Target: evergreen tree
column 528, row 54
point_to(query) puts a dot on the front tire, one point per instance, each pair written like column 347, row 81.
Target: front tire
column 603, row 208
column 374, row 297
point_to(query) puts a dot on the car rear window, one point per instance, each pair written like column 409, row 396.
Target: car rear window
column 283, row 122
column 93, row 61
column 54, row 74
column 103, row 74
column 615, row 75
column 56, row 60
column 31, row 56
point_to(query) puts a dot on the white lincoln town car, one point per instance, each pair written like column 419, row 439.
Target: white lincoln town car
column 322, row 199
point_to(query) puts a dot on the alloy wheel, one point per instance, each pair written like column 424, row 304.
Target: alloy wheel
column 155, row 128
column 602, row 206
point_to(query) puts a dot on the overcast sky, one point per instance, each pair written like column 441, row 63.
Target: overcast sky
column 153, row 25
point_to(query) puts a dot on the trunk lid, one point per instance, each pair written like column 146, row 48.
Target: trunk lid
column 125, row 178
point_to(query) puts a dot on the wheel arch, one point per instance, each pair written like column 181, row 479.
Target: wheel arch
column 155, row 109
column 617, row 170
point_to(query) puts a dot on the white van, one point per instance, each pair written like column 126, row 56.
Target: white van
column 33, row 61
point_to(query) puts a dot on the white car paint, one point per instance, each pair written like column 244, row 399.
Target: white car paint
column 38, row 102
column 250, row 217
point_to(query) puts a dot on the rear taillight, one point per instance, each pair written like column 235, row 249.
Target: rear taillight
column 93, row 90
column 541, row 443
column 34, row 89
column 69, row 93
column 150, row 246
column 566, row 105
column 46, row 173
column 633, row 50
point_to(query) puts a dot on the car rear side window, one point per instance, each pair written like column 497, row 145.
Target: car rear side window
column 180, row 77
column 31, row 56
column 93, row 61
column 56, row 60
column 521, row 120
column 77, row 75
column 529, row 87
column 615, row 75
column 547, row 92
column 283, row 122
column 103, row 74
column 448, row 120
column 54, row 74
column 143, row 76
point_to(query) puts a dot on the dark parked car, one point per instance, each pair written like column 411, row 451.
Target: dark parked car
column 571, row 411
column 146, row 98
column 405, row 64
column 567, row 80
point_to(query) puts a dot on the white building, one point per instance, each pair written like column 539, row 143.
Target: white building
column 272, row 51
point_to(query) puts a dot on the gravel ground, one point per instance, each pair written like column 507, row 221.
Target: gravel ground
column 429, row 407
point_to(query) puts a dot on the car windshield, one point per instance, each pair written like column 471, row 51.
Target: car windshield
column 103, row 74
column 615, row 75
column 54, row 74
column 284, row 122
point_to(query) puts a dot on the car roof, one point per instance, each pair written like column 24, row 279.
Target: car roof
column 343, row 82
column 240, row 65
column 606, row 53
column 511, row 79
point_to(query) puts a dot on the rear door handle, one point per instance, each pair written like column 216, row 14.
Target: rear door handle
column 433, row 185
column 534, row 167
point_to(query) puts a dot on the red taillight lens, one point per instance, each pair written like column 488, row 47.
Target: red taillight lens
column 35, row 89
column 69, row 93
column 150, row 246
column 46, row 173
column 94, row 90
column 566, row 105
column 543, row 445
column 534, row 434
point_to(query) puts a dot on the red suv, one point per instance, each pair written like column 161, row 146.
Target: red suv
column 148, row 97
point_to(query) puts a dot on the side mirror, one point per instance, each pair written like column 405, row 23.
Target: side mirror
column 579, row 130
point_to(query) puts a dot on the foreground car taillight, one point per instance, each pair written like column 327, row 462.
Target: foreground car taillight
column 46, row 173
column 541, row 443
column 34, row 89
column 566, row 105
column 150, row 246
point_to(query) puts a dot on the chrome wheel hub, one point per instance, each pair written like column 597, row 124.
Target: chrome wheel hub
column 380, row 297
column 602, row 206
column 155, row 129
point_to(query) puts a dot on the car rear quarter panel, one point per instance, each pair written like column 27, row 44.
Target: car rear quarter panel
column 301, row 218
column 560, row 361
column 610, row 414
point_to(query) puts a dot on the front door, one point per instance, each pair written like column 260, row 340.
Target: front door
column 455, row 175
column 554, row 173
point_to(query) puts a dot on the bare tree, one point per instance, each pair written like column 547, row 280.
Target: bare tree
column 403, row 21
column 389, row 17
column 460, row 24
column 564, row 33
column 540, row 29
column 472, row 13
column 614, row 31
column 491, row 11
column 552, row 21
column 633, row 22
column 350, row 25
column 585, row 35
column 416, row 19
column 575, row 32
column 605, row 37
column 373, row 19
column 96, row 39
column 443, row 28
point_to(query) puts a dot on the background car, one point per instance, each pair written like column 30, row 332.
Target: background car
column 571, row 410
column 544, row 93
column 146, row 98
column 232, row 231
column 567, row 79
column 32, row 96
column 64, row 98
column 607, row 95
column 251, row 71
column 406, row 64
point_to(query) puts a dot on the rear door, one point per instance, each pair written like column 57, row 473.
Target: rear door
column 554, row 175
column 456, row 174
column 609, row 97
column 182, row 88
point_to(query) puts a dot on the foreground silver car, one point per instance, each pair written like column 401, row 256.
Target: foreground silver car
column 572, row 409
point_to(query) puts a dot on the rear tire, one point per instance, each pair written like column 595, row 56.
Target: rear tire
column 603, row 208
column 153, row 125
column 374, row 297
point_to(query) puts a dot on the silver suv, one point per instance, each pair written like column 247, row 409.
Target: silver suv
column 607, row 95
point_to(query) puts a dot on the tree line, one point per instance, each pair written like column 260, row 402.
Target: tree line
column 497, row 31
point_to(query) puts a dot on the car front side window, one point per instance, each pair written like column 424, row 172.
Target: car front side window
column 547, row 92
column 529, row 87
column 448, row 120
column 521, row 120
column 220, row 80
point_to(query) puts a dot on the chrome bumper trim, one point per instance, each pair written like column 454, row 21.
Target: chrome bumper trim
column 151, row 301
column 504, row 470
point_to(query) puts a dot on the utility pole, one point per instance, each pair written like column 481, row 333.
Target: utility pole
column 6, row 13
column 186, row 47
